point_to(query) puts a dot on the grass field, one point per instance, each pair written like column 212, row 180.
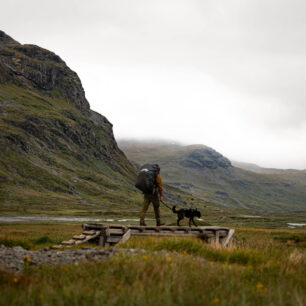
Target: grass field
column 264, row 267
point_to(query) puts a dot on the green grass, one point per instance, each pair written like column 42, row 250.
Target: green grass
column 51, row 160
column 36, row 235
column 145, row 280
column 299, row 240
column 196, row 247
column 257, row 270
column 42, row 240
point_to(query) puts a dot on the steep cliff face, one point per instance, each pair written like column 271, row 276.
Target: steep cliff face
column 54, row 148
column 35, row 67
column 204, row 157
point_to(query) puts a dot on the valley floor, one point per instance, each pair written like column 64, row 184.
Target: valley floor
column 263, row 267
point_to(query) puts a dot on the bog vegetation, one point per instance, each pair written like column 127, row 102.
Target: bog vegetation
column 263, row 267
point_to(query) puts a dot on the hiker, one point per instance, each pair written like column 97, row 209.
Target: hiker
column 150, row 174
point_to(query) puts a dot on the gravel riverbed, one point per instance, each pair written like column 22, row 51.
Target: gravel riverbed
column 16, row 258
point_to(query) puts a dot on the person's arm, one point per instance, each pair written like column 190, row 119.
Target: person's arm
column 159, row 186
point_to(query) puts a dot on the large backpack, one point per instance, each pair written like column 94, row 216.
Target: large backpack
column 146, row 179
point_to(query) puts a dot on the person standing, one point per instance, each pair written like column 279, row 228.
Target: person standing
column 155, row 198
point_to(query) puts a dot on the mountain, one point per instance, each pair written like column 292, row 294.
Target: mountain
column 253, row 167
column 288, row 173
column 202, row 171
column 56, row 154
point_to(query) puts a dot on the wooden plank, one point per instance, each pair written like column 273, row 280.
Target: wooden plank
column 92, row 232
column 166, row 230
column 149, row 231
column 205, row 235
column 55, row 247
column 210, row 240
column 166, row 234
column 90, row 226
column 173, row 234
column 106, row 232
column 93, row 226
column 227, row 240
column 79, row 242
column 135, row 227
column 102, row 240
column 115, row 226
column 184, row 231
column 217, row 238
column 139, row 227
column 135, row 232
column 150, row 228
column 79, row 237
column 126, row 236
column 113, row 239
column 103, row 236
column 196, row 230
column 88, row 238
column 222, row 233
column 68, row 242
column 115, row 231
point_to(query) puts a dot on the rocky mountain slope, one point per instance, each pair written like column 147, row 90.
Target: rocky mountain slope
column 204, row 172
column 55, row 152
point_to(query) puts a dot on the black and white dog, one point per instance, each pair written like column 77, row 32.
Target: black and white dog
column 188, row 213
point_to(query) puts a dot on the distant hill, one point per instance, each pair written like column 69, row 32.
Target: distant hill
column 253, row 167
column 291, row 175
column 204, row 172
column 56, row 154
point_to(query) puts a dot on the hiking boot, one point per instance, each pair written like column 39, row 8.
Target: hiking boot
column 159, row 223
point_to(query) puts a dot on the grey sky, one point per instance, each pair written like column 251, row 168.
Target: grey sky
column 227, row 74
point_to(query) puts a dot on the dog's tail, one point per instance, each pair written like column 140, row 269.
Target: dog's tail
column 174, row 209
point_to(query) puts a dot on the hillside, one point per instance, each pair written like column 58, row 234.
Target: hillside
column 253, row 167
column 204, row 172
column 56, row 154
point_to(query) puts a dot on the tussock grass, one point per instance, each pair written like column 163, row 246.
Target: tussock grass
column 258, row 270
column 42, row 240
column 150, row 279
column 9, row 242
column 299, row 239
column 36, row 235
column 194, row 246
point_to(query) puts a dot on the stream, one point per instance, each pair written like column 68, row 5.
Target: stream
column 63, row 219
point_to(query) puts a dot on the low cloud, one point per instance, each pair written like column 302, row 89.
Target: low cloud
column 228, row 74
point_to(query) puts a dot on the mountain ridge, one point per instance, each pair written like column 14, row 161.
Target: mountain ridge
column 221, row 183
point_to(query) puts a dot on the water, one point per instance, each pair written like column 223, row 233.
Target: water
column 64, row 219
column 41, row 218
column 250, row 216
column 293, row 225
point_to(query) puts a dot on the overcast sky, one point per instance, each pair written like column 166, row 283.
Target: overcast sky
column 228, row 74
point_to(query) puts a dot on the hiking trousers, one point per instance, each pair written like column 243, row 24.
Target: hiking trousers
column 148, row 198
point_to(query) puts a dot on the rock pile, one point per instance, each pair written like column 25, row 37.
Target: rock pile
column 16, row 258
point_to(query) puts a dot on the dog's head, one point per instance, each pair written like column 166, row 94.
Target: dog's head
column 198, row 213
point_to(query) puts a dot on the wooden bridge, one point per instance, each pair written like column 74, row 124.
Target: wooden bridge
column 111, row 234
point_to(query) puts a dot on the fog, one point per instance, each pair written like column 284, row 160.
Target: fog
column 226, row 74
